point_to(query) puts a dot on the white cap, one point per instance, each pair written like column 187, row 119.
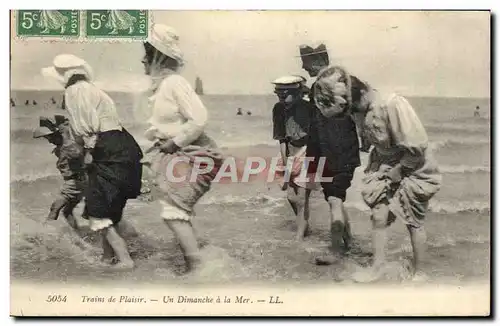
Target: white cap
column 166, row 40
column 66, row 65
column 289, row 81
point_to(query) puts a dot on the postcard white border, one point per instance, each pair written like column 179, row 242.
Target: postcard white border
column 190, row 4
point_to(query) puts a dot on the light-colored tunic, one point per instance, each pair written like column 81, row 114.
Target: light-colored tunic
column 177, row 113
column 399, row 137
column 91, row 111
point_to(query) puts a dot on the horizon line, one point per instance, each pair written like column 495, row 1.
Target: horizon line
column 242, row 94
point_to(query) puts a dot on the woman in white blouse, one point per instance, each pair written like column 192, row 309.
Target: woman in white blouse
column 176, row 128
column 111, row 153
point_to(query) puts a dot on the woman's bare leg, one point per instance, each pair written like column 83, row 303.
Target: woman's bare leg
column 380, row 215
column 184, row 232
column 108, row 254
column 119, row 247
column 418, row 238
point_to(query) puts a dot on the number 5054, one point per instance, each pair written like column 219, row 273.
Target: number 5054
column 56, row 298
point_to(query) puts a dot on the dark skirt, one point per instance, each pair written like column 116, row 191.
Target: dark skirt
column 114, row 175
column 336, row 140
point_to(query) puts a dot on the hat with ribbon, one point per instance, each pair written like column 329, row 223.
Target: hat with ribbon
column 166, row 40
column 64, row 66
column 48, row 125
column 307, row 50
column 42, row 132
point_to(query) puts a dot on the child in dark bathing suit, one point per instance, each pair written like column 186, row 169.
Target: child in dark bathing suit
column 69, row 163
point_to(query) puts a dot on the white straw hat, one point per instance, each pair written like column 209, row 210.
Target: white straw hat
column 166, row 40
column 66, row 65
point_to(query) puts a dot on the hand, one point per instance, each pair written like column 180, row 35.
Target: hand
column 167, row 146
column 65, row 131
column 395, row 174
column 88, row 158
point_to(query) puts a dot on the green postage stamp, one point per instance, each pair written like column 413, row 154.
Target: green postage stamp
column 78, row 24
column 48, row 23
column 116, row 23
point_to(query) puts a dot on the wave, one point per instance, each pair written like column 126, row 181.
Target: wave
column 245, row 143
column 448, row 207
column 464, row 169
column 451, row 169
column 265, row 204
column 451, row 143
column 32, row 177
column 247, row 200
column 459, row 127
column 435, row 145
column 459, row 206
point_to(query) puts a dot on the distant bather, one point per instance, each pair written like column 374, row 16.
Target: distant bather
column 476, row 112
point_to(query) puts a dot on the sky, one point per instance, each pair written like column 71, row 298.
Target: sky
column 240, row 52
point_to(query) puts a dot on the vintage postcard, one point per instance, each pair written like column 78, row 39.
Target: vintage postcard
column 250, row 163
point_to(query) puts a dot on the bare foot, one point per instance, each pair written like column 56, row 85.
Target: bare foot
column 356, row 250
column 193, row 264
column 367, row 275
column 307, row 231
column 109, row 260
column 420, row 277
column 327, row 260
column 123, row 266
column 336, row 235
column 301, row 234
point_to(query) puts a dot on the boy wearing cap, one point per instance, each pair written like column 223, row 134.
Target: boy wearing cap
column 70, row 163
column 291, row 119
column 335, row 138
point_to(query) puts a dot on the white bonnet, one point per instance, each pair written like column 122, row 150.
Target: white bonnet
column 66, row 65
column 166, row 40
